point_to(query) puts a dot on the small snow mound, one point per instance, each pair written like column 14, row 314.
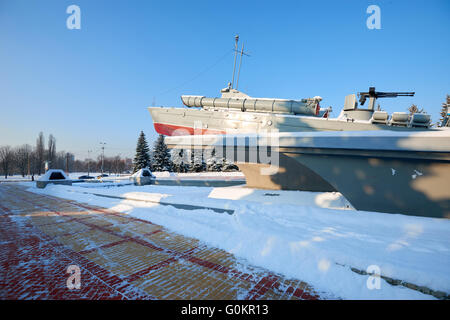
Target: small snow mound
column 144, row 172
column 54, row 174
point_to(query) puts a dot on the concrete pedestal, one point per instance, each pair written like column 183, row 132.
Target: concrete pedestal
column 142, row 181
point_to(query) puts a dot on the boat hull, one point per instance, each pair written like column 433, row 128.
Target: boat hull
column 407, row 173
column 385, row 182
column 189, row 121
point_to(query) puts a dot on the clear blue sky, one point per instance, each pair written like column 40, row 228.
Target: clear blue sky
column 94, row 84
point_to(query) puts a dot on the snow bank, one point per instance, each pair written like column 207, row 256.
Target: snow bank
column 331, row 200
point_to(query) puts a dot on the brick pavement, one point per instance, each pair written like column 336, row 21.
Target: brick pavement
column 120, row 257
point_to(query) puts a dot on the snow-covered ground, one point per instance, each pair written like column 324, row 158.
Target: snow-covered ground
column 72, row 175
column 164, row 174
column 314, row 237
column 159, row 175
column 16, row 177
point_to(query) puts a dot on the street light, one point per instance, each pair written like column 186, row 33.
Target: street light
column 89, row 160
column 103, row 154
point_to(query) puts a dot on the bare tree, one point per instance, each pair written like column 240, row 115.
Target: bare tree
column 22, row 156
column 69, row 162
column 6, row 159
column 27, row 160
column 33, row 163
column 60, row 160
column 40, row 152
column 51, row 152
column 118, row 165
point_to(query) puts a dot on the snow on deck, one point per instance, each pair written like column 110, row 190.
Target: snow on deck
column 317, row 242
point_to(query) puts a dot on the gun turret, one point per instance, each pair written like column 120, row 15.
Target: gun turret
column 374, row 95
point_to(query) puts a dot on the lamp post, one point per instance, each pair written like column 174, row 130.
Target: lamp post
column 103, row 154
column 89, row 160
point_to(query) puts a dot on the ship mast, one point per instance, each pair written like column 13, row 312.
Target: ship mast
column 236, row 38
column 241, row 53
column 240, row 63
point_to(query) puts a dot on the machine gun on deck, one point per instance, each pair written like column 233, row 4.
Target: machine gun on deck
column 374, row 95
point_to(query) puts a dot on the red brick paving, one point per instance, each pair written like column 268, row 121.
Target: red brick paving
column 33, row 264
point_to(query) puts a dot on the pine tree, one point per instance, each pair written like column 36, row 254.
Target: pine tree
column 197, row 163
column 445, row 110
column 180, row 161
column 229, row 166
column 213, row 163
column 161, row 160
column 216, row 162
column 142, row 157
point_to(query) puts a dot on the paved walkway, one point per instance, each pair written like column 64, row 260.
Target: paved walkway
column 120, row 257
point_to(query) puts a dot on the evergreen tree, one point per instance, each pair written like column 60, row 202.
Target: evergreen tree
column 197, row 163
column 229, row 166
column 213, row 163
column 161, row 160
column 142, row 157
column 445, row 110
column 216, row 162
column 180, row 161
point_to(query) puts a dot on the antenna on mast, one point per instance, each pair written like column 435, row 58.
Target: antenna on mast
column 240, row 63
column 236, row 38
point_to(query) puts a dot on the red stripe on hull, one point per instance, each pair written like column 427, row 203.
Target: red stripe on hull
column 172, row 130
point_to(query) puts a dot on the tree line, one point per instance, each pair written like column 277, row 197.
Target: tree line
column 26, row 160
column 160, row 158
